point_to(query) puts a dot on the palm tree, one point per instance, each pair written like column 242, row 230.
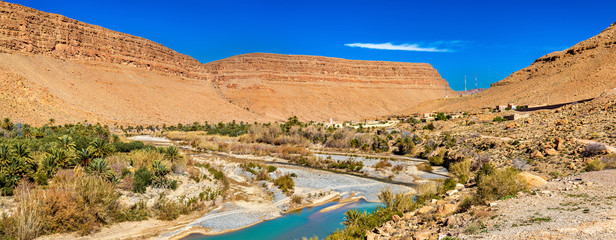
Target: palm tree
column 99, row 167
column 49, row 165
column 351, row 216
column 6, row 124
column 173, row 154
column 100, row 148
column 61, row 157
column 84, row 156
column 21, row 150
column 67, row 143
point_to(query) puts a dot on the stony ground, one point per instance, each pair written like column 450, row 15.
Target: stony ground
column 577, row 207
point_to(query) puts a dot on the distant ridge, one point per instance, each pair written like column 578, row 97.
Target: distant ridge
column 55, row 67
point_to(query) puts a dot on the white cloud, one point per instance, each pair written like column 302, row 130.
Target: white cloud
column 401, row 47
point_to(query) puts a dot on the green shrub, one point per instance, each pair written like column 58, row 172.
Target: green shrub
column 436, row 160
column 128, row 147
column 461, row 170
column 271, row 169
column 142, row 179
column 499, row 119
column 594, row 165
column 429, row 127
column 449, row 184
column 499, row 183
column 285, row 183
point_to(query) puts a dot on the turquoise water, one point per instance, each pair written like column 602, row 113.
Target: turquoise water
column 308, row 222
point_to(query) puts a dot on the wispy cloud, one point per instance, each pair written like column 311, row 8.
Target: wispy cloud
column 439, row 46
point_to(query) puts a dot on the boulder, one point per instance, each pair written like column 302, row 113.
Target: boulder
column 551, row 152
column 512, row 125
column 532, row 180
column 536, row 154
column 425, row 209
column 447, row 209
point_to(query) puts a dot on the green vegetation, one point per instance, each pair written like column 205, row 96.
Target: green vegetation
column 495, row 184
column 436, row 160
column 594, row 165
column 68, row 179
column 499, row 119
column 285, row 183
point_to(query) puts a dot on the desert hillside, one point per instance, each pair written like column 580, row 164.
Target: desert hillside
column 55, row 67
column 580, row 72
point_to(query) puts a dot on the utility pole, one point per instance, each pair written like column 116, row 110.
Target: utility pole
column 475, row 81
column 465, row 83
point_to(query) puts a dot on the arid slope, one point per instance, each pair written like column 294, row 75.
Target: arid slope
column 55, row 67
column 583, row 71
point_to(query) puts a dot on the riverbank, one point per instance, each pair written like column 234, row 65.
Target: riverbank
column 318, row 187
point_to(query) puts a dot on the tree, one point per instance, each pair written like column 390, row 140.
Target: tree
column 404, row 146
column 7, row 125
column 100, row 148
column 99, row 167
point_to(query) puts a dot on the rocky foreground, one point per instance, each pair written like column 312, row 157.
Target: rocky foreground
column 575, row 207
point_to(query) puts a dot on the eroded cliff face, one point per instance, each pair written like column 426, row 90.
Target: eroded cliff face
column 320, row 88
column 55, row 67
column 27, row 30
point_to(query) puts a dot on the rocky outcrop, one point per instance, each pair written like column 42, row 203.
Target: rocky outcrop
column 27, row 30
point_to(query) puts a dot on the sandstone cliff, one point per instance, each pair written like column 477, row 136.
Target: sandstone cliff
column 55, row 67
column 580, row 72
column 320, row 88
column 27, row 30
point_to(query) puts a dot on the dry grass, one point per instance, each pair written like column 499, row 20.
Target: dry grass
column 30, row 213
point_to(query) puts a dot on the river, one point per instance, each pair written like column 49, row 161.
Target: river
column 307, row 222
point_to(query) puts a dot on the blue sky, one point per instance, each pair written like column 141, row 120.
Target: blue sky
column 489, row 38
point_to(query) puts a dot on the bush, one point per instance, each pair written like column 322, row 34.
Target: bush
column 436, row 160
column 382, row 164
column 297, row 199
column 609, row 161
column 594, row 165
column 449, row 184
column 271, row 169
column 78, row 202
column 142, row 179
column 166, row 209
column 285, row 183
column 429, row 127
column 498, row 184
column 424, row 167
column 137, row 212
column 499, row 119
column 128, row 147
column 461, row 170
column 29, row 217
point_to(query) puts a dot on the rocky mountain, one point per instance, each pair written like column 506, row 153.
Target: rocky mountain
column 580, row 72
column 55, row 67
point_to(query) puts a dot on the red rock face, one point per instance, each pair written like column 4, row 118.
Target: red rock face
column 27, row 30
column 116, row 77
